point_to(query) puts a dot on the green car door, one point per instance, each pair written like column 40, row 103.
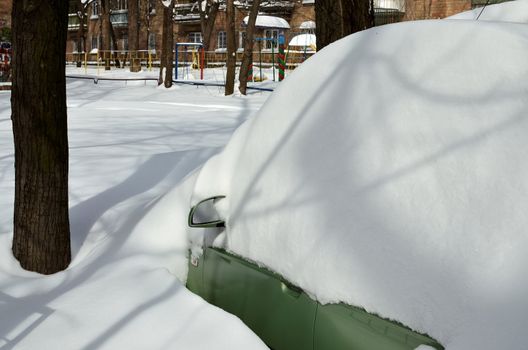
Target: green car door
column 343, row 327
column 281, row 314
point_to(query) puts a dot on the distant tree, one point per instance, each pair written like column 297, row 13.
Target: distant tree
column 147, row 10
column 356, row 15
column 231, row 48
column 328, row 22
column 105, row 31
column 109, row 38
column 133, row 27
column 336, row 19
column 167, row 41
column 208, row 10
column 41, row 240
column 133, row 34
column 82, row 7
column 247, row 58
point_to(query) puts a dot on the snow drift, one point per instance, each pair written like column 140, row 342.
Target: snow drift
column 131, row 148
column 511, row 11
column 389, row 171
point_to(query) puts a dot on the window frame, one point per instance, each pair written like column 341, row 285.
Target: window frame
column 192, row 37
column 96, row 10
column 151, row 44
column 221, row 40
column 271, row 33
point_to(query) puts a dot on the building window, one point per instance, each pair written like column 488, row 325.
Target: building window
column 195, row 37
column 271, row 34
column 241, row 39
column 95, row 42
column 152, row 41
column 121, row 5
column 222, row 40
column 77, row 46
column 95, row 9
column 125, row 42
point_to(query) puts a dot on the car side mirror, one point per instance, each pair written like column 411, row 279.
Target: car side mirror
column 204, row 214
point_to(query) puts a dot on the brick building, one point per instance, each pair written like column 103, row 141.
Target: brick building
column 297, row 13
column 186, row 25
column 149, row 18
column 5, row 13
column 292, row 12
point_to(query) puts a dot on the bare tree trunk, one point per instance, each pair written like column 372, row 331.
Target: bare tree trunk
column 336, row 19
column 329, row 23
column 133, row 28
column 81, row 9
column 146, row 10
column 357, row 15
column 207, row 20
column 231, row 48
column 248, row 47
column 41, row 240
column 166, row 46
column 133, row 34
column 114, row 45
column 105, row 29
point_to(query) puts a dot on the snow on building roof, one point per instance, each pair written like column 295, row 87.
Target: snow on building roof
column 303, row 40
column 307, row 25
column 277, row 3
column 269, row 22
column 398, row 5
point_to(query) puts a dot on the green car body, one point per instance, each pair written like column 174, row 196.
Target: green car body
column 283, row 315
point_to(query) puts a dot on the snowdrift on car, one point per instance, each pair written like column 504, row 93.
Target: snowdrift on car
column 390, row 172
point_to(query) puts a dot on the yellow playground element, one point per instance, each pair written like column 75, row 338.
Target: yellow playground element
column 105, row 59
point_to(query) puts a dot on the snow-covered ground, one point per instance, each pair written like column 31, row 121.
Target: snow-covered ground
column 131, row 145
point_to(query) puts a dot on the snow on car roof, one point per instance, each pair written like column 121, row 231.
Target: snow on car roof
column 511, row 11
column 389, row 172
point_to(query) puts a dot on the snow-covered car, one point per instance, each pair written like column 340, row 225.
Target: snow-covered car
column 282, row 314
column 378, row 199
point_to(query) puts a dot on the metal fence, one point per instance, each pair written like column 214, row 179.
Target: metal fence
column 189, row 58
column 114, row 59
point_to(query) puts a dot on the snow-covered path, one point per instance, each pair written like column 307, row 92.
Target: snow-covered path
column 130, row 145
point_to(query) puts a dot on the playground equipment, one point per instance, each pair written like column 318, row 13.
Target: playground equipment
column 197, row 58
column 126, row 58
column 306, row 42
column 282, row 61
column 273, row 42
column 300, row 47
column 5, row 64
